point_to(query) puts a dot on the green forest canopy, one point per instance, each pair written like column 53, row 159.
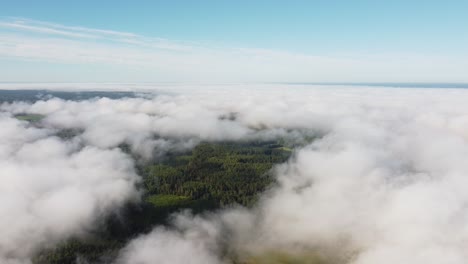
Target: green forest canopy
column 212, row 175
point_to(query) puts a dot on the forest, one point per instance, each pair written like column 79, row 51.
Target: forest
column 211, row 176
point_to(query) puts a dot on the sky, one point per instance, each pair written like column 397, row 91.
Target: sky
column 233, row 41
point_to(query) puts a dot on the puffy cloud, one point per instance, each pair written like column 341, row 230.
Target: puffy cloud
column 53, row 189
column 382, row 182
column 385, row 184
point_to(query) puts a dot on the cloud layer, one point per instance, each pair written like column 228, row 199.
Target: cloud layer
column 54, row 189
column 385, row 185
column 383, row 182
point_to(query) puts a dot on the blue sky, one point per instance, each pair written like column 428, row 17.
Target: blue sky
column 355, row 41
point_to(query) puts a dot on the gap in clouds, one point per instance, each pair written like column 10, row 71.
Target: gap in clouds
column 384, row 181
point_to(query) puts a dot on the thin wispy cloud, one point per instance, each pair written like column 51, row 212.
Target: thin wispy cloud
column 56, row 30
column 134, row 57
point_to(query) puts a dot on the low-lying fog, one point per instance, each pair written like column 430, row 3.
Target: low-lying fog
column 384, row 181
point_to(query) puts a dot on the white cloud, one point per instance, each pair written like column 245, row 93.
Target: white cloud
column 53, row 189
column 164, row 60
column 386, row 182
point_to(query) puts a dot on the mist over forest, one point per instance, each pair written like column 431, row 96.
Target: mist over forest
column 234, row 174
